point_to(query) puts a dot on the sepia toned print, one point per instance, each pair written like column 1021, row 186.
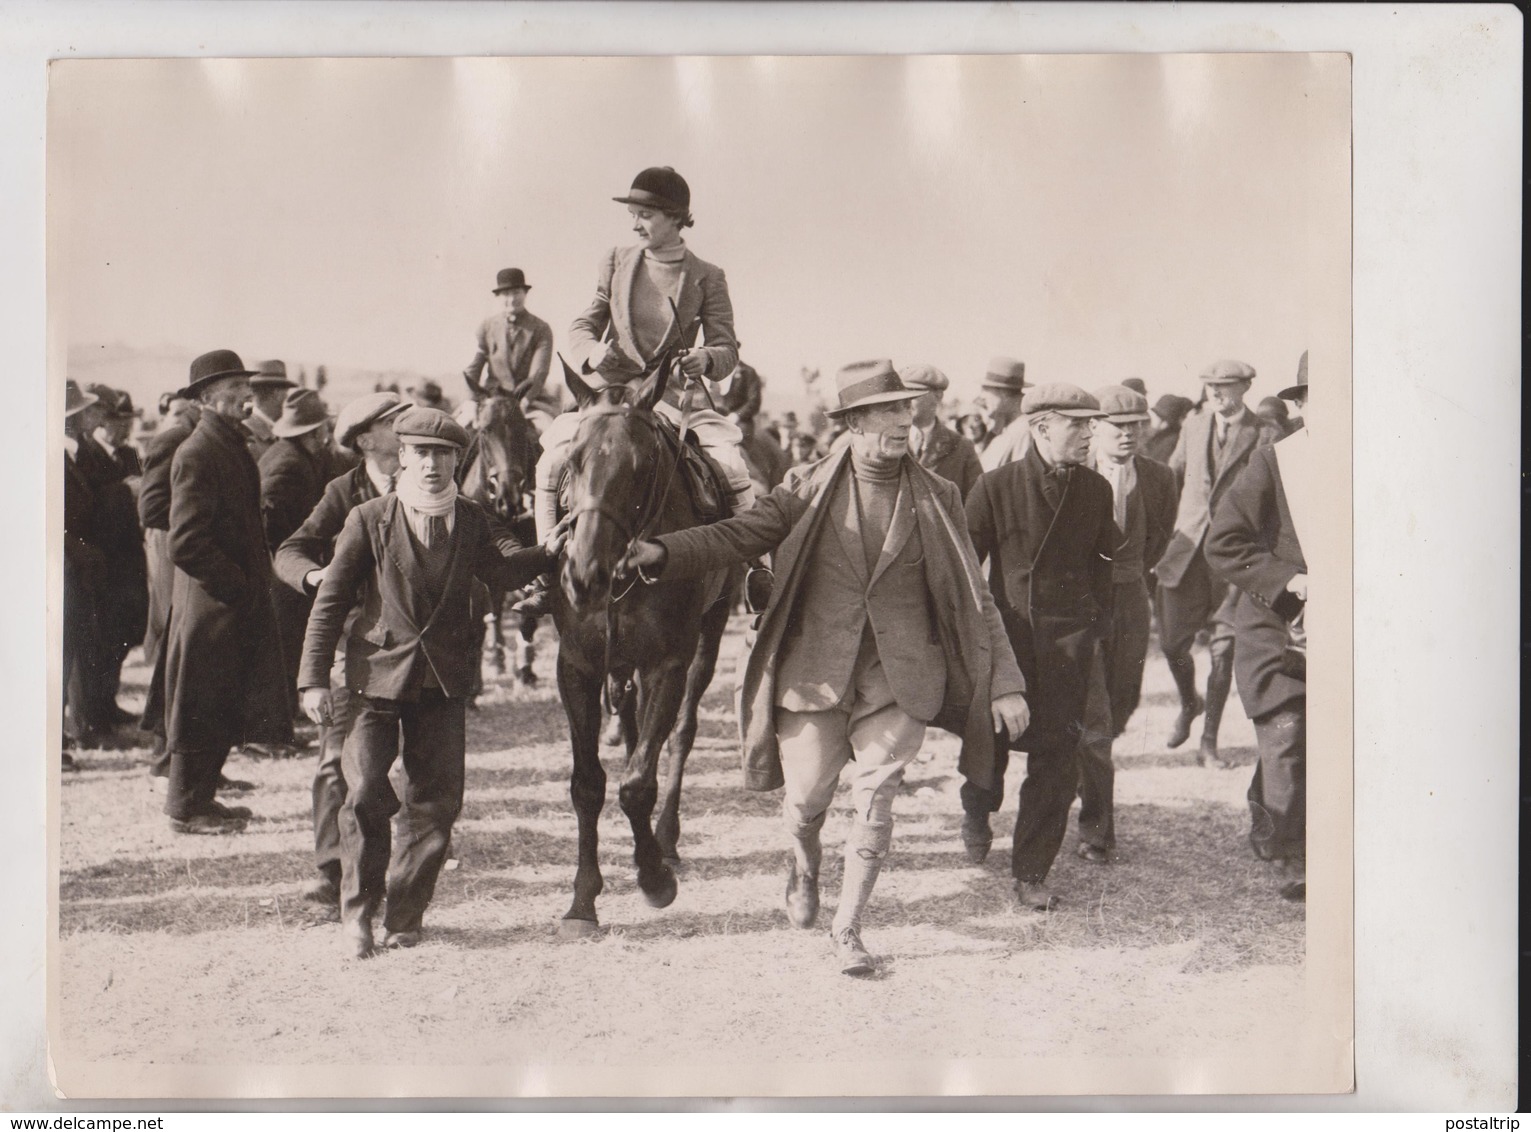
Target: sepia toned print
column 478, row 736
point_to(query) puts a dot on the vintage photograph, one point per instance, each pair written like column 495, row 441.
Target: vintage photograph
column 701, row 575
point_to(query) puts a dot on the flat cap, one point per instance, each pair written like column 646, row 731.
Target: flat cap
column 1226, row 372
column 361, row 414
column 1005, row 373
column 420, row 425
column 923, row 377
column 1121, row 404
column 1058, row 397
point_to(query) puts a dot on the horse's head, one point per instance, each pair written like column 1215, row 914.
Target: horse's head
column 612, row 463
column 506, row 453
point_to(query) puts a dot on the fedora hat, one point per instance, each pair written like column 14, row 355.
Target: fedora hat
column 364, row 412
column 1292, row 392
column 113, row 402
column 869, row 383
column 1172, row 408
column 1227, row 372
column 510, row 279
column 302, row 411
column 1137, row 384
column 923, row 377
column 660, row 187
column 1005, row 374
column 1061, row 398
column 76, row 399
column 420, row 425
column 1121, row 404
column 215, row 365
column 271, row 374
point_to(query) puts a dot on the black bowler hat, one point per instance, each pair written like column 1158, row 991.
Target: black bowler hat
column 659, row 187
column 215, row 365
column 510, row 279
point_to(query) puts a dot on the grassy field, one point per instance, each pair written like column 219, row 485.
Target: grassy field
column 197, row 951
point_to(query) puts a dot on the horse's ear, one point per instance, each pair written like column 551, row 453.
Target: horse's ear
column 583, row 394
column 652, row 389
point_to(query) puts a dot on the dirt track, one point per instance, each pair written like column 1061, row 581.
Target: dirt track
column 182, row 950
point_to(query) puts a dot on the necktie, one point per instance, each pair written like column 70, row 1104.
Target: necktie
column 392, row 482
column 435, row 529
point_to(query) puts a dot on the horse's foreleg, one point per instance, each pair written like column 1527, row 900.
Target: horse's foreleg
column 581, row 693
column 659, row 695
column 698, row 678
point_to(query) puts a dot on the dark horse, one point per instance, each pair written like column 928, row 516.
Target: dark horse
column 497, row 472
column 659, row 641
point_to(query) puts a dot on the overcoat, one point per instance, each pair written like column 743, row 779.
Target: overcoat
column 1203, row 487
column 1253, row 544
column 154, row 490
column 123, row 600
column 311, row 546
column 951, row 457
column 291, row 483
column 223, row 665
column 703, row 296
column 1050, row 558
column 154, row 515
column 791, row 520
column 397, row 631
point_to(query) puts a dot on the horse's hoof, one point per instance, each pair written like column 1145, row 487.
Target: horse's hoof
column 662, row 895
column 571, row 928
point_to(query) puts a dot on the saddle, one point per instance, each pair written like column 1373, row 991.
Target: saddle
column 698, row 474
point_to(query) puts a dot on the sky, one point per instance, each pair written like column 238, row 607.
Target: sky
column 1097, row 217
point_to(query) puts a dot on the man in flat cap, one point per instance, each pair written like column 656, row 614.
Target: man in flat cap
column 1045, row 523
column 1143, row 496
column 223, row 662
column 408, row 561
column 879, row 625
column 365, row 425
column 1256, row 544
column 268, row 386
column 1214, row 446
column 1004, row 388
column 517, row 348
column 931, row 442
column 1168, row 411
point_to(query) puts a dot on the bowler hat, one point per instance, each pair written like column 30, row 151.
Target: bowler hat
column 660, row 187
column 76, row 399
column 269, row 375
column 510, row 279
column 1172, row 408
column 1005, row 373
column 869, row 383
column 923, row 377
column 215, row 365
column 1227, row 372
column 1136, row 384
column 361, row 414
column 302, row 411
column 1292, row 392
column 420, row 425
column 1061, row 398
column 1121, row 404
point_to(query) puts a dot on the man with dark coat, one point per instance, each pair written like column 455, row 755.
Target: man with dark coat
column 269, row 387
column 1045, row 524
column 1255, row 543
column 931, row 442
column 223, row 663
column 292, row 478
column 879, row 624
column 364, row 425
column 1143, row 501
column 1213, row 448
column 1168, row 411
column 408, row 559
column 85, row 571
column 741, row 397
column 517, row 348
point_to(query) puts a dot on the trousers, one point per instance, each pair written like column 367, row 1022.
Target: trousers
column 1278, row 794
column 1126, row 650
column 373, row 863
column 1097, row 773
column 329, row 789
column 193, row 785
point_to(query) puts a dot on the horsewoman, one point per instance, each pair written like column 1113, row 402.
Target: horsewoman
column 647, row 297
column 881, row 625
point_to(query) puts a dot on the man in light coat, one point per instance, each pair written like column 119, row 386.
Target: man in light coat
column 516, row 347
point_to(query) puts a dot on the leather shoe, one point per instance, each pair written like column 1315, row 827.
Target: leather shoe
column 802, row 898
column 1183, row 721
column 853, row 958
column 233, row 813
column 1035, row 896
column 976, row 837
column 234, row 785
column 321, row 890
column 1095, row 854
column 357, row 936
column 207, row 824
column 401, row 939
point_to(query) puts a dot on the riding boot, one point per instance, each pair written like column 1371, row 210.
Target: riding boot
column 1219, row 681
column 1183, row 669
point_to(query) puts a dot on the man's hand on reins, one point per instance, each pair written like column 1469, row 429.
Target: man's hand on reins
column 693, row 363
column 1010, row 714
column 646, row 557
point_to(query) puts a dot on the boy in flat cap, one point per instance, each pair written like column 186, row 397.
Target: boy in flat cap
column 1045, row 524
column 408, row 560
column 931, row 442
column 1213, row 448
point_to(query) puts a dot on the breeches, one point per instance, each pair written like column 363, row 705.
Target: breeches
column 1200, row 598
column 715, row 433
column 434, row 739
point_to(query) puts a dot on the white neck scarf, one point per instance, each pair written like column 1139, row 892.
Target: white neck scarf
column 416, row 498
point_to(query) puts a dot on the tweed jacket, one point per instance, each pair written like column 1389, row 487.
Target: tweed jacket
column 311, row 546
column 398, row 631
column 796, row 522
column 703, row 294
column 1203, row 486
column 291, row 483
column 515, row 351
column 951, row 457
column 1155, row 496
column 154, row 488
column 1252, row 543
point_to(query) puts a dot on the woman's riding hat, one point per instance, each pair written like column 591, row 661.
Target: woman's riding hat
column 659, row 187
